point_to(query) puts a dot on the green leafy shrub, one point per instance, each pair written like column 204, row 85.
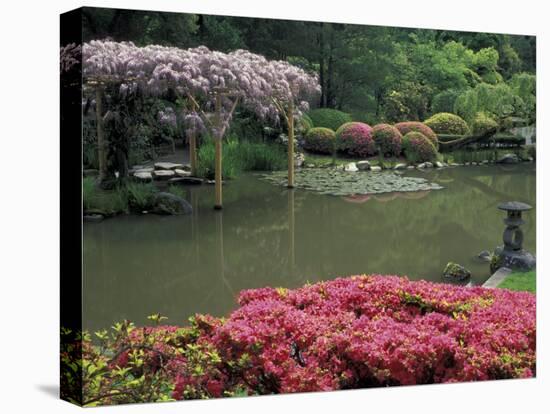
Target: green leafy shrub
column 483, row 123
column 414, row 126
column 140, row 195
column 320, row 140
column 447, row 123
column 304, row 123
column 532, row 151
column 444, row 101
column 328, row 118
column 418, row 148
column 240, row 156
column 388, row 139
column 355, row 139
column 108, row 203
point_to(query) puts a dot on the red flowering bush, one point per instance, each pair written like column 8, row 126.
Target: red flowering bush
column 388, row 139
column 406, row 127
column 355, row 139
column 418, row 148
column 320, row 140
column 362, row 331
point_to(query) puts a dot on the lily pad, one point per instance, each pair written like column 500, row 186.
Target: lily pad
column 341, row 183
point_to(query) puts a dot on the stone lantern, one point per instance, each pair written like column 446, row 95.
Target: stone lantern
column 511, row 254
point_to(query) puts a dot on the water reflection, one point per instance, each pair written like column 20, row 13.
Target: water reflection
column 270, row 236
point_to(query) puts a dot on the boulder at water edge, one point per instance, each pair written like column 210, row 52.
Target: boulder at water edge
column 455, row 272
column 167, row 203
column 508, row 159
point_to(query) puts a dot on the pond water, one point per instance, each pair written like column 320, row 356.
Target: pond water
column 269, row 236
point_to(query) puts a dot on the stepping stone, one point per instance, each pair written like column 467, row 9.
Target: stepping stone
column 376, row 168
column 363, row 165
column 168, row 166
column 163, row 174
column 143, row 176
column 182, row 173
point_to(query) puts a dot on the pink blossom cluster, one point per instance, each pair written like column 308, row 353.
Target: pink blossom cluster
column 355, row 332
column 199, row 72
column 362, row 331
column 355, row 139
column 414, row 126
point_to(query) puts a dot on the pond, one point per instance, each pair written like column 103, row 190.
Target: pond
column 269, row 236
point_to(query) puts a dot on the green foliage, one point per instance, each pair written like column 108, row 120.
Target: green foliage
column 483, row 123
column 526, row 282
column 305, row 123
column 140, row 195
column 320, row 140
column 418, row 148
column 447, row 123
column 240, row 156
column 106, row 202
column 406, row 127
column 328, row 118
column 444, row 101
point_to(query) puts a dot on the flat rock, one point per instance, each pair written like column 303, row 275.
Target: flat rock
column 351, row 167
column 185, row 180
column 163, row 174
column 410, row 167
column 428, row 164
column 182, row 173
column 376, row 168
column 148, row 169
column 400, row 166
column 508, row 159
column 93, row 218
column 363, row 165
column 439, row 164
column 168, row 166
column 143, row 176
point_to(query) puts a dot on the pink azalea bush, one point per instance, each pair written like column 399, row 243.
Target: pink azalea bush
column 361, row 331
column 418, row 148
column 413, row 126
column 355, row 139
column 388, row 139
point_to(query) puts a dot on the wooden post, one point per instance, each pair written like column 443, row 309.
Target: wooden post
column 291, row 225
column 101, row 142
column 218, row 154
column 290, row 151
column 193, row 146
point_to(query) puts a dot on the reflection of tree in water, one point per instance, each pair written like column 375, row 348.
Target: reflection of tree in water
column 135, row 266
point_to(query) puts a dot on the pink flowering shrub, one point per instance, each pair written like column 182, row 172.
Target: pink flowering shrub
column 320, row 140
column 355, row 139
column 361, row 331
column 406, row 127
column 418, row 148
column 388, row 139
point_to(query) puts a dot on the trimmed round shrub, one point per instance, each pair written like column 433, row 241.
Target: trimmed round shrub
column 414, row 126
column 329, row 118
column 418, row 148
column 304, row 123
column 388, row 139
column 447, row 123
column 355, row 139
column 320, row 140
column 483, row 123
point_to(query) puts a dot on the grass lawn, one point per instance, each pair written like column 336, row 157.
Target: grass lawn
column 520, row 281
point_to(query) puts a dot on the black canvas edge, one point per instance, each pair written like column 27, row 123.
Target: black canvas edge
column 71, row 216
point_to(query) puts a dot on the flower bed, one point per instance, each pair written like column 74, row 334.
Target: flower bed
column 361, row 331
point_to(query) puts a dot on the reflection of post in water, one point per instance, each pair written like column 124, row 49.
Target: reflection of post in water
column 221, row 259
column 195, row 223
column 291, row 256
